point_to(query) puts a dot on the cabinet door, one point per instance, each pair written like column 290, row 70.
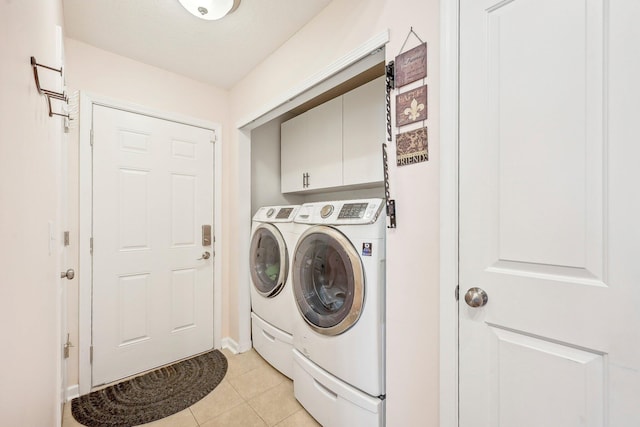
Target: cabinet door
column 311, row 143
column 363, row 133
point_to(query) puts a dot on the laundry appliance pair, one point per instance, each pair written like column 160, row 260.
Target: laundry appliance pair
column 336, row 292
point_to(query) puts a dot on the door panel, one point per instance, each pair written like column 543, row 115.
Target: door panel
column 133, row 219
column 183, row 210
column 152, row 291
column 133, row 310
column 183, row 298
column 537, row 204
column 564, row 380
column 545, row 120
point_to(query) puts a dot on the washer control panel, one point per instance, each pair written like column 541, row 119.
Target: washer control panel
column 342, row 212
column 353, row 210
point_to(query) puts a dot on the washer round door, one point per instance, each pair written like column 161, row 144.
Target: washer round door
column 269, row 261
column 328, row 280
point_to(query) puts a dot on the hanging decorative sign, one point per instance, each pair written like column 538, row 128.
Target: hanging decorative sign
column 411, row 147
column 411, row 106
column 411, row 65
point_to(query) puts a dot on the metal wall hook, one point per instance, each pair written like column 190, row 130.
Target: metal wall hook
column 48, row 93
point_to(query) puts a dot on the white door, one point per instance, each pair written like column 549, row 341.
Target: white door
column 549, row 213
column 152, row 287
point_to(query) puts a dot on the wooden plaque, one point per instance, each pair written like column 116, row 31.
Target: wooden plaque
column 411, row 106
column 411, row 65
column 412, row 147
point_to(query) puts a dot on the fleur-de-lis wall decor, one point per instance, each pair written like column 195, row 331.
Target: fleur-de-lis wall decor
column 411, row 106
column 413, row 111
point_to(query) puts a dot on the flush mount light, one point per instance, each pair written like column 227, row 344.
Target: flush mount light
column 210, row 9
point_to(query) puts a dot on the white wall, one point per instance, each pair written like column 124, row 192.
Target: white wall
column 265, row 168
column 30, row 147
column 412, row 254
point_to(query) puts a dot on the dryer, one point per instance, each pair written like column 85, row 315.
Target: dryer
column 273, row 239
column 339, row 290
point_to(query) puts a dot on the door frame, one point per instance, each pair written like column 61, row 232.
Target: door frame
column 85, row 273
column 449, row 214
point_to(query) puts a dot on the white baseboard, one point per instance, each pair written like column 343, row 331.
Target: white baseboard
column 232, row 345
column 72, row 392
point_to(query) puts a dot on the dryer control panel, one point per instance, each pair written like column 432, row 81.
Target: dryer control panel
column 273, row 214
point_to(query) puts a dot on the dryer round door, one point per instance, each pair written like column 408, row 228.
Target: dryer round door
column 328, row 280
column 269, row 261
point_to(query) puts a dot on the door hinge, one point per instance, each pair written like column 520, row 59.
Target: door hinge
column 457, row 292
column 91, row 245
column 91, row 354
column 91, row 137
column 67, row 346
column 66, row 238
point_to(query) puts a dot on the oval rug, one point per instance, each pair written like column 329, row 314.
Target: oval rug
column 152, row 396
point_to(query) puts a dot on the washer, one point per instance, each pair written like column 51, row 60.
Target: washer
column 338, row 285
column 273, row 238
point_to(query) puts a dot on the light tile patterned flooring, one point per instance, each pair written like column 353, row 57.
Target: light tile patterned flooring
column 252, row 394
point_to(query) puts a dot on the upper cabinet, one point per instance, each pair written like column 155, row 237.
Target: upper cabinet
column 363, row 132
column 311, row 149
column 336, row 144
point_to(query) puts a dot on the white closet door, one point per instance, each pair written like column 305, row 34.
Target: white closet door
column 549, row 213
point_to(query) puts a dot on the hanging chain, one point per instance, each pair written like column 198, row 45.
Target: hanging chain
column 391, row 204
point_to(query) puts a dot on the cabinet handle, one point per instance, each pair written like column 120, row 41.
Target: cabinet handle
column 305, row 180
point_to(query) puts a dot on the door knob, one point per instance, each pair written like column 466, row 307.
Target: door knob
column 69, row 274
column 205, row 255
column 476, row 297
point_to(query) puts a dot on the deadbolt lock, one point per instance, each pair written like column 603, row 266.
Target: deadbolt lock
column 206, row 235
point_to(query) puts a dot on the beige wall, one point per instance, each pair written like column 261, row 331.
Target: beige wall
column 123, row 79
column 30, row 147
column 412, row 248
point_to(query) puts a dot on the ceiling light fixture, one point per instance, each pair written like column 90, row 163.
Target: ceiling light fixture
column 210, row 9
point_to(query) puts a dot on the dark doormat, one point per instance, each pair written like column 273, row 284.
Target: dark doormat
column 154, row 395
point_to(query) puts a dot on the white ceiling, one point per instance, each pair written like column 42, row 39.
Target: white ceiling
column 163, row 34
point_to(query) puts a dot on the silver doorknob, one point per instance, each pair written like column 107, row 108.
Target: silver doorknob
column 205, row 255
column 476, row 297
column 69, row 274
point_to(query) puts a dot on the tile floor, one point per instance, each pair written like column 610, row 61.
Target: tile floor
column 252, row 394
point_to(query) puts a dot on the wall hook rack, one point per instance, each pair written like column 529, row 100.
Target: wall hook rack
column 48, row 93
